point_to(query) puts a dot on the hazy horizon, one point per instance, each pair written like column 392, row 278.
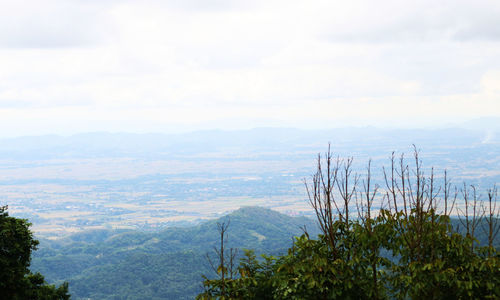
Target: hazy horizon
column 487, row 124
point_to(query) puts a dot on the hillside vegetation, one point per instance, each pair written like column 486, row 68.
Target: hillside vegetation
column 164, row 265
column 391, row 242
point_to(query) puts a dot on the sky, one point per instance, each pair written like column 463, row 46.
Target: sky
column 70, row 66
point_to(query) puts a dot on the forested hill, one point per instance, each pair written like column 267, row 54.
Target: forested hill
column 110, row 264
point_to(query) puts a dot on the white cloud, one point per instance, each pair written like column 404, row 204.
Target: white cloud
column 399, row 21
column 51, row 24
column 142, row 65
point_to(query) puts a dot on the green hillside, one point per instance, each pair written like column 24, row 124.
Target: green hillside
column 109, row 264
column 164, row 265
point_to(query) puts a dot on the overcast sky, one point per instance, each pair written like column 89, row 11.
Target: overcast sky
column 69, row 66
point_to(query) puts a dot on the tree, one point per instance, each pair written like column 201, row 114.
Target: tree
column 16, row 280
column 223, row 266
column 394, row 242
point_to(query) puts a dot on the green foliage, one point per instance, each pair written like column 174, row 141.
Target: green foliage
column 254, row 281
column 442, row 266
column 402, row 250
column 438, row 263
column 16, row 280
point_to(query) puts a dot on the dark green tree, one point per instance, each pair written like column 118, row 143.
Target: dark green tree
column 16, row 279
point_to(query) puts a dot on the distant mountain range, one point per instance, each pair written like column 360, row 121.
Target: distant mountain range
column 155, row 145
